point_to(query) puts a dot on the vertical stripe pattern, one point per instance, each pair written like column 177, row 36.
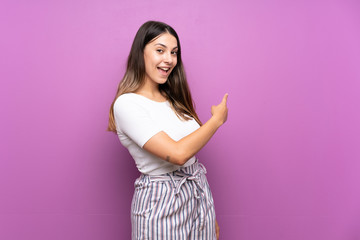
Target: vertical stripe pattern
column 176, row 206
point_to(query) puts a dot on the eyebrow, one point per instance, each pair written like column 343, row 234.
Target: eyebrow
column 165, row 46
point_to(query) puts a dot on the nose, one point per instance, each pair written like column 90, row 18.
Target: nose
column 168, row 58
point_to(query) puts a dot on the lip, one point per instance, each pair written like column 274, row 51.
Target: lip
column 162, row 72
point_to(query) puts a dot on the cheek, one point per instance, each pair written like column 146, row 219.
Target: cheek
column 149, row 64
column 150, row 60
column 149, row 69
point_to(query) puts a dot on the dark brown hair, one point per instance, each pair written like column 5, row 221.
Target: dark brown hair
column 175, row 89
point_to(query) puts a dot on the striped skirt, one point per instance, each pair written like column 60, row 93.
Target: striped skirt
column 177, row 205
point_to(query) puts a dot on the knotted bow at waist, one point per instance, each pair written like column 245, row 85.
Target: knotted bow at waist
column 197, row 178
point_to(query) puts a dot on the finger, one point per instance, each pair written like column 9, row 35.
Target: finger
column 224, row 100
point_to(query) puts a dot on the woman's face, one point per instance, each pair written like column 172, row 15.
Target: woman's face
column 160, row 56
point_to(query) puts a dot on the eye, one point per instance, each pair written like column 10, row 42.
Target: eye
column 174, row 53
column 159, row 50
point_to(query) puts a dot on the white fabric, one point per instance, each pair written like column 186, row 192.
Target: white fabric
column 137, row 119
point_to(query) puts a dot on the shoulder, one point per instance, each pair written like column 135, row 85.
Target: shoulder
column 126, row 97
column 127, row 100
column 126, row 103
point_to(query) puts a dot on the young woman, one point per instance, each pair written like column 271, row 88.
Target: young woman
column 154, row 117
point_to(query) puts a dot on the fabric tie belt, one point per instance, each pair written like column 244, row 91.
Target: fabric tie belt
column 178, row 178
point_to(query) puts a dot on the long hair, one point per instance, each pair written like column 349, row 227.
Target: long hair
column 175, row 89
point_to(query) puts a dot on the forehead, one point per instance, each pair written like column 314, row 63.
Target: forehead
column 165, row 39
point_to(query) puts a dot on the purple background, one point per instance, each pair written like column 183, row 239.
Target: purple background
column 285, row 165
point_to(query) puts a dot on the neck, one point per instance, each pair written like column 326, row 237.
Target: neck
column 150, row 90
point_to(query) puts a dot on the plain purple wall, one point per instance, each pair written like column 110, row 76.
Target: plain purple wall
column 285, row 166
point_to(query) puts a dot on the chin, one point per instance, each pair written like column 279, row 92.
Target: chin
column 162, row 81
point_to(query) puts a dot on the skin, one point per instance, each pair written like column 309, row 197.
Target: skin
column 161, row 53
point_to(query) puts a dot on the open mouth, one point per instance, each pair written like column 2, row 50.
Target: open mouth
column 163, row 71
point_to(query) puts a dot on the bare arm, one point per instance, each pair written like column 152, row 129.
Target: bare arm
column 178, row 152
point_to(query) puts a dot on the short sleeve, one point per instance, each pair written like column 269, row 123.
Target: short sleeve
column 134, row 120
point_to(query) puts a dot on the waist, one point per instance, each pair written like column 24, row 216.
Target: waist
column 156, row 166
column 191, row 172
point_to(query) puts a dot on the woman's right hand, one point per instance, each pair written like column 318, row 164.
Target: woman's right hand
column 220, row 111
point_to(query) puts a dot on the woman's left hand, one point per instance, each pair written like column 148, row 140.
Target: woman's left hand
column 217, row 230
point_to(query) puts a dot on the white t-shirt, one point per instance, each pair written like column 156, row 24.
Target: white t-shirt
column 138, row 118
